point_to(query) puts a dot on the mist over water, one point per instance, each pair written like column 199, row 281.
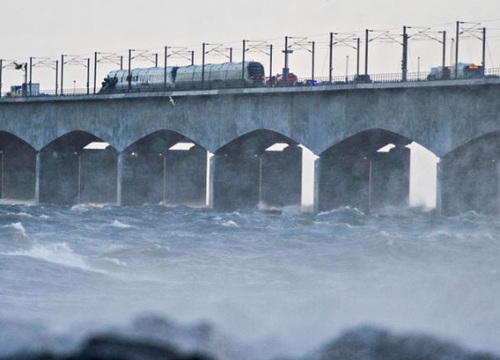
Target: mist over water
column 286, row 282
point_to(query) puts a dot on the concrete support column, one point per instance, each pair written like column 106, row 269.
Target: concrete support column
column 390, row 176
column 498, row 188
column 1, row 174
column 17, row 168
column 185, row 177
column 281, row 177
column 439, row 180
column 469, row 183
column 119, row 178
column 38, row 164
column 235, row 182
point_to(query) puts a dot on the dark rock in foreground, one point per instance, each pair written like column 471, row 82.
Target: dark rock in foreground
column 118, row 348
column 375, row 344
column 156, row 338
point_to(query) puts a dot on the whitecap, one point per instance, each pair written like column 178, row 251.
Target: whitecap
column 58, row 253
column 115, row 261
column 229, row 223
column 120, row 225
column 18, row 228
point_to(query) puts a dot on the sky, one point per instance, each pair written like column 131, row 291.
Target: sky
column 47, row 29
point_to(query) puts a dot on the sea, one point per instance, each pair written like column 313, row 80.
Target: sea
column 268, row 283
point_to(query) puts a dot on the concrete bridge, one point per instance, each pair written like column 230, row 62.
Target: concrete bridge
column 45, row 155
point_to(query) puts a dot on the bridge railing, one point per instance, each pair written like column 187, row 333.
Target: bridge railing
column 319, row 81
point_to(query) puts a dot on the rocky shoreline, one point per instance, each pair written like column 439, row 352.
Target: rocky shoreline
column 154, row 338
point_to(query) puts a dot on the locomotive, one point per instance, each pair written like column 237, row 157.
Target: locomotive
column 209, row 76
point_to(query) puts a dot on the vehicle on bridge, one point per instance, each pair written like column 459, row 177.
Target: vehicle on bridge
column 32, row 89
column 463, row 71
column 210, row 76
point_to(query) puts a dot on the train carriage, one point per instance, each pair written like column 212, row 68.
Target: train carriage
column 210, row 76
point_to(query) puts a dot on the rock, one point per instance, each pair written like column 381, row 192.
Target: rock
column 118, row 348
column 369, row 343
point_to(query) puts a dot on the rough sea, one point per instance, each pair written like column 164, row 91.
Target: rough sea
column 255, row 285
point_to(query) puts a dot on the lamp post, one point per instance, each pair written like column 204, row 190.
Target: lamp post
column 358, row 41
column 1, row 67
column 347, row 68
column 203, row 65
column 366, row 51
column 129, row 77
column 404, row 61
column 418, row 68
column 330, row 67
column 165, row 60
column 31, row 71
column 243, row 61
column 484, row 51
column 57, row 76
column 62, row 74
column 286, row 69
column 95, row 71
column 270, row 61
column 312, row 60
column 456, row 48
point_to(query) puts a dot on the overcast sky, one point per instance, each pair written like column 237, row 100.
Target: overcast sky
column 50, row 28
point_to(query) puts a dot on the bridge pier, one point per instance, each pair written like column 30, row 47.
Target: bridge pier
column 364, row 181
column 470, row 181
column 17, row 171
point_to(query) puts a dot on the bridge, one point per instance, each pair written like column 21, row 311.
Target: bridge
column 46, row 158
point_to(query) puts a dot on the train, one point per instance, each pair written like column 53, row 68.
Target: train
column 239, row 74
column 209, row 76
column 463, row 71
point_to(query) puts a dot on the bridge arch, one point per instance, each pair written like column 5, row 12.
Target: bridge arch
column 17, row 168
column 72, row 170
column 260, row 167
column 364, row 172
column 473, row 171
column 163, row 167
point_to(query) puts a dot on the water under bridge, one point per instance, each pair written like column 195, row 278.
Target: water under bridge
column 45, row 155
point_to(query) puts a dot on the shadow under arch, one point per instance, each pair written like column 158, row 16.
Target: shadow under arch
column 164, row 167
column 359, row 172
column 469, row 177
column 248, row 171
column 17, row 168
column 72, row 172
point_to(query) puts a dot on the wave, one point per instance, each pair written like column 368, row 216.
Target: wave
column 18, row 229
column 120, row 225
column 58, row 253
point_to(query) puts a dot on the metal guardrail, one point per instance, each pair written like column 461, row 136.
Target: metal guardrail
column 320, row 81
